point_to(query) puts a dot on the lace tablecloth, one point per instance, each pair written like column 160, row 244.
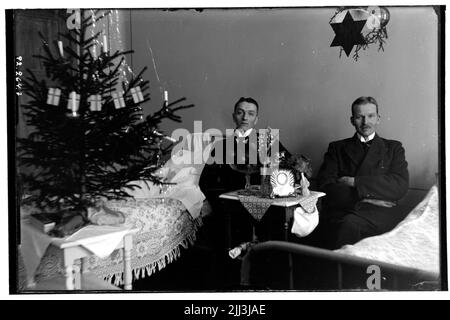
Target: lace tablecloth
column 164, row 227
column 413, row 243
column 257, row 205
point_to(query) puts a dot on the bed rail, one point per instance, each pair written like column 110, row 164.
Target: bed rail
column 339, row 259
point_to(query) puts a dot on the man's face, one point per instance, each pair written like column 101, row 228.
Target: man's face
column 245, row 116
column 365, row 119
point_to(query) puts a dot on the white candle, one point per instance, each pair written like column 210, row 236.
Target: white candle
column 74, row 105
column 61, row 49
column 74, row 101
column 166, row 97
column 105, row 44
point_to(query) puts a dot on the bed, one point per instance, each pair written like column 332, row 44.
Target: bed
column 406, row 258
column 167, row 217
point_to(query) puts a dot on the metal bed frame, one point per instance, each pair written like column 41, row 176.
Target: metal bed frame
column 401, row 278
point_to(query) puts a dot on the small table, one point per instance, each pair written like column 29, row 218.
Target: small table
column 72, row 250
column 289, row 205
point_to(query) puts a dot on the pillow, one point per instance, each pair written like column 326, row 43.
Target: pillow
column 184, row 171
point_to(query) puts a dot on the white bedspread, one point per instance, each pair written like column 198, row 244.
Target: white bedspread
column 413, row 243
column 184, row 173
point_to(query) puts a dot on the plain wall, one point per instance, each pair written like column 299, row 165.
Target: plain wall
column 283, row 59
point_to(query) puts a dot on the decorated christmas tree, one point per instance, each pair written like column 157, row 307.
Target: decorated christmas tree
column 90, row 139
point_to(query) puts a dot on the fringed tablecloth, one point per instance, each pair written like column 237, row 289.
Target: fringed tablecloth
column 165, row 226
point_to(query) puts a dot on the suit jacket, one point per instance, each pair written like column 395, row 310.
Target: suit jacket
column 382, row 174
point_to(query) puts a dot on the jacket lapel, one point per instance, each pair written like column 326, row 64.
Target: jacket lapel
column 373, row 157
column 354, row 150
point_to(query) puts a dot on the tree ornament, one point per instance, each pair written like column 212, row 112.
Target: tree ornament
column 95, row 102
column 137, row 94
column 119, row 102
column 53, row 96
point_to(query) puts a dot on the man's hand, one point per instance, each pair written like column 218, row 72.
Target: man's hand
column 348, row 181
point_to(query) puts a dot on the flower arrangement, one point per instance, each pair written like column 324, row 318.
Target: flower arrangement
column 299, row 164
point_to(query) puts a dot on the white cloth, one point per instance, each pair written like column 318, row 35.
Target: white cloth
column 184, row 172
column 33, row 246
column 413, row 243
column 304, row 222
column 100, row 240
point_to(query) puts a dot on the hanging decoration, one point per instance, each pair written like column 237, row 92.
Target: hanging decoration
column 53, row 96
column 348, row 33
column 95, row 102
column 137, row 94
column 118, row 99
column 359, row 27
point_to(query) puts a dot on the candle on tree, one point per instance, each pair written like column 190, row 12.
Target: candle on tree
column 61, row 49
column 105, row 44
column 73, row 102
column 166, row 98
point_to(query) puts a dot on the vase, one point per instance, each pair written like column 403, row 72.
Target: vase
column 266, row 185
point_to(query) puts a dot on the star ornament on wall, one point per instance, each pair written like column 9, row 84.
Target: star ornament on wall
column 348, row 33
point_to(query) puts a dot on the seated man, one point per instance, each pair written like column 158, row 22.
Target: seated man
column 218, row 175
column 239, row 148
column 363, row 177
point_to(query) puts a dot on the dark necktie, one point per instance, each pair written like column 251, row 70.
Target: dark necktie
column 366, row 146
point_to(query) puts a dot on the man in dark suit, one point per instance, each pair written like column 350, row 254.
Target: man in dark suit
column 363, row 176
column 238, row 148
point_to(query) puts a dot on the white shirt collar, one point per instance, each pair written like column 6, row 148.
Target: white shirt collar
column 239, row 134
column 361, row 138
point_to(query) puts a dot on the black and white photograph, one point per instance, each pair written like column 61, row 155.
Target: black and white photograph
column 225, row 149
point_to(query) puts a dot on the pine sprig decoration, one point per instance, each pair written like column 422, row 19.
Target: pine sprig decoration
column 72, row 160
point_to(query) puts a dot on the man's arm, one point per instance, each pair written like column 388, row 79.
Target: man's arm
column 339, row 193
column 390, row 186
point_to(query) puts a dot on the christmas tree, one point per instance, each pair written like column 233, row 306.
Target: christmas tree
column 90, row 140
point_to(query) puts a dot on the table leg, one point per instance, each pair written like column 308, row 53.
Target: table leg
column 289, row 213
column 68, row 269
column 77, row 274
column 127, row 275
column 227, row 225
column 68, row 262
column 254, row 236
